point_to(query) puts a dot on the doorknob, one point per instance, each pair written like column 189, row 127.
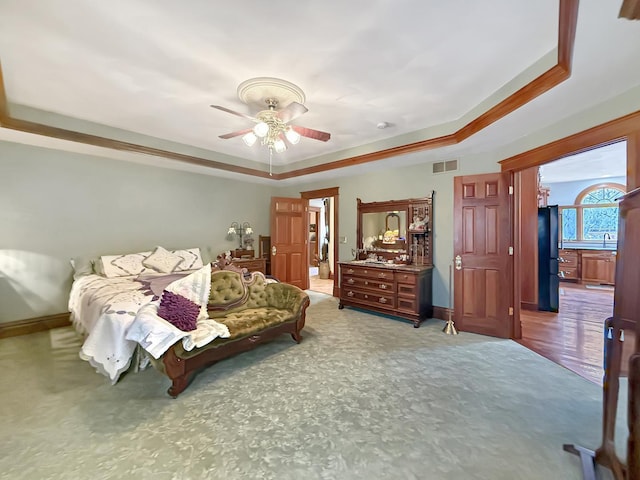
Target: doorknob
column 458, row 262
column 274, row 250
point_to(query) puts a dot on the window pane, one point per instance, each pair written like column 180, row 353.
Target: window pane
column 596, row 222
column 569, row 227
column 602, row 195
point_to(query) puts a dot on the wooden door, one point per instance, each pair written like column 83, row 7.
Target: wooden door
column 289, row 227
column 483, row 268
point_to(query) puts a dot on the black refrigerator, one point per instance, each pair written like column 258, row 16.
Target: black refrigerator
column 548, row 280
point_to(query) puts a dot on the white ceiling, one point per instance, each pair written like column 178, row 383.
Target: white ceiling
column 604, row 162
column 153, row 67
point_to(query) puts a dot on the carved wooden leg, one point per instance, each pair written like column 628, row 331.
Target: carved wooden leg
column 179, row 384
column 340, row 306
column 296, row 336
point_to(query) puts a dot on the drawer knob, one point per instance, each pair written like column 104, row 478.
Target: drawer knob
column 383, row 286
column 382, row 275
column 366, row 296
column 350, row 294
column 350, row 270
column 366, row 283
column 383, row 300
column 351, row 280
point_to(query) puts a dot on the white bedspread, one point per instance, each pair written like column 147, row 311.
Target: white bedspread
column 104, row 309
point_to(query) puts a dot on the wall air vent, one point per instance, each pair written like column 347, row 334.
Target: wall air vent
column 448, row 166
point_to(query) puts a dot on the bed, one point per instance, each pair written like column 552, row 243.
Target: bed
column 180, row 316
column 108, row 293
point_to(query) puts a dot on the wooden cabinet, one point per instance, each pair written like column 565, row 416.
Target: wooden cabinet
column 420, row 231
column 598, row 267
column 400, row 290
column 587, row 266
column 568, row 264
column 251, row 264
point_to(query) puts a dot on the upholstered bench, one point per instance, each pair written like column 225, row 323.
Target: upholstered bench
column 253, row 308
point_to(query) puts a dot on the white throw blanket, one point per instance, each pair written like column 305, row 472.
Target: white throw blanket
column 156, row 335
column 117, row 314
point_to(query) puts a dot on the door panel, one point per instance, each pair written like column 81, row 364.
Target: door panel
column 289, row 251
column 483, row 281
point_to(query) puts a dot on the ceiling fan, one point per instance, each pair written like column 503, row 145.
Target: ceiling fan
column 272, row 125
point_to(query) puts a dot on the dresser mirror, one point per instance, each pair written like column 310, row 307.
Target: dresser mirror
column 397, row 230
column 382, row 228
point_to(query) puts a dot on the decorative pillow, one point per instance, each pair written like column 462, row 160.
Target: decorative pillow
column 122, row 265
column 195, row 287
column 191, row 259
column 179, row 311
column 162, row 260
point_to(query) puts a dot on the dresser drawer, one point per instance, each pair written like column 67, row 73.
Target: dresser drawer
column 407, row 304
column 367, row 283
column 407, row 278
column 406, row 290
column 371, row 298
column 367, row 272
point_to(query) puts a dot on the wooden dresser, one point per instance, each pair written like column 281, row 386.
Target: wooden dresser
column 400, row 290
column 251, row 264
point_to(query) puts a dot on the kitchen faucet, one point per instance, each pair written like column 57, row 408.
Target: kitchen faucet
column 604, row 239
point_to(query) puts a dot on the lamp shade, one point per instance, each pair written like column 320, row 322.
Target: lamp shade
column 292, row 136
column 261, row 129
column 279, row 145
column 249, row 139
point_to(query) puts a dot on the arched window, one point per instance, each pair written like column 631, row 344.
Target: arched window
column 602, row 193
column 594, row 217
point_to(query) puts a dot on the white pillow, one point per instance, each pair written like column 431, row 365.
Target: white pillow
column 162, row 260
column 122, row 265
column 191, row 259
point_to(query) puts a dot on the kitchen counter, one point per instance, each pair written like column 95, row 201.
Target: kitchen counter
column 578, row 246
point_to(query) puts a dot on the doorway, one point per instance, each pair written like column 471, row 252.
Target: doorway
column 583, row 187
column 323, row 206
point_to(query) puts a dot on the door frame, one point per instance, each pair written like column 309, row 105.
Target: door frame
column 316, row 212
column 333, row 192
column 626, row 128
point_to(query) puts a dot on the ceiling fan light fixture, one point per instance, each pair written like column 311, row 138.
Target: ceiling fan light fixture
column 261, row 129
column 292, row 136
column 249, row 139
column 279, row 145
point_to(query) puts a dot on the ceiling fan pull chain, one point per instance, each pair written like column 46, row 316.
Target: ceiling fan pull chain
column 270, row 158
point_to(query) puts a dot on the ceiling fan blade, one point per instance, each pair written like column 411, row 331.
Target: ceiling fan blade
column 232, row 112
column 291, row 111
column 235, row 134
column 311, row 133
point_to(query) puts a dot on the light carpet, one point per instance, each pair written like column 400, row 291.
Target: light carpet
column 362, row 397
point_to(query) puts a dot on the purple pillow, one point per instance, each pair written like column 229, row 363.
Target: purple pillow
column 179, row 311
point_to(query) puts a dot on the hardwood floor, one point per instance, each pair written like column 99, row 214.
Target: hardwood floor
column 317, row 284
column 574, row 337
